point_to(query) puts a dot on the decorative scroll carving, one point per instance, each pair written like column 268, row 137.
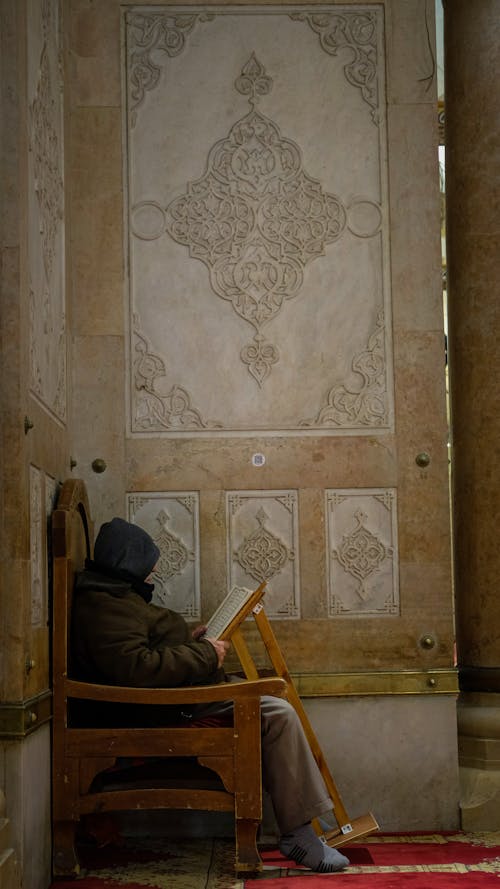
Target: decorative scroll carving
column 188, row 502
column 288, row 500
column 172, row 520
column 387, row 498
column 262, row 554
column 156, row 412
column 46, row 162
column 256, row 219
column 45, row 240
column 357, row 32
column 136, row 503
column 173, row 553
column 148, row 34
column 362, row 552
column 363, row 403
column 266, row 552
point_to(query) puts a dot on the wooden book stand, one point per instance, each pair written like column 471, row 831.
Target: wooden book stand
column 348, row 829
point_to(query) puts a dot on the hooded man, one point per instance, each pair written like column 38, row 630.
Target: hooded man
column 120, row 638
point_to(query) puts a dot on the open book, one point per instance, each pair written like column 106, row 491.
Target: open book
column 232, row 610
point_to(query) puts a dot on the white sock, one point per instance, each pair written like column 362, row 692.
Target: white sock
column 303, row 846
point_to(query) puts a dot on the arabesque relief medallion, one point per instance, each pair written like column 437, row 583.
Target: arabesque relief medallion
column 362, row 552
column 262, row 545
column 256, row 219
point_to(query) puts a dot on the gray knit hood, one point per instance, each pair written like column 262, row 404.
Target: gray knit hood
column 126, row 552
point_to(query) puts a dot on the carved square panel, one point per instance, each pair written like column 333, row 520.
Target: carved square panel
column 43, row 496
column 362, row 552
column 172, row 520
column 263, row 544
column 45, row 215
column 257, row 221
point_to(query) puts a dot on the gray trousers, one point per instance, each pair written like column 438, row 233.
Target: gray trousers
column 289, row 771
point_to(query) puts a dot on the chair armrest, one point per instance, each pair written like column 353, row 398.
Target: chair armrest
column 191, row 694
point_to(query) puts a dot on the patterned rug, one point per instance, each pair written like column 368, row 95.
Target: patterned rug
column 397, row 861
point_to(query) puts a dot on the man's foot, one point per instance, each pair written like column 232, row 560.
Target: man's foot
column 303, row 846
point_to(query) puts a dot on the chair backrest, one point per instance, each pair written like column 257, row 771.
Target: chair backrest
column 72, row 534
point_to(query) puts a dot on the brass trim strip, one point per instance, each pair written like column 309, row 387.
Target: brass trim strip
column 21, row 718
column 394, row 682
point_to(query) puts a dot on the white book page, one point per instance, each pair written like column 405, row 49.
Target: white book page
column 228, row 609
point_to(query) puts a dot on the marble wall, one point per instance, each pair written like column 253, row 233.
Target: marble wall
column 278, row 329
column 258, row 333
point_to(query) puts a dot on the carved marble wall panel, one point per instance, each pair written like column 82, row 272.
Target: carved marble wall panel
column 263, row 544
column 51, row 493
column 45, row 234
column 37, row 538
column 172, row 520
column 362, row 552
column 43, row 495
column 258, row 219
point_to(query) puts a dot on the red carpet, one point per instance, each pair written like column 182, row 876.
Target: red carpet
column 432, row 861
column 406, row 861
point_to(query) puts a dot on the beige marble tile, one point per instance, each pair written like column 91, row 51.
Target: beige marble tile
column 47, row 443
column 94, row 53
column 13, row 600
column 95, row 207
column 414, row 218
column 420, row 386
column 421, row 419
column 316, row 462
column 411, row 52
column 98, row 422
column 313, row 553
column 26, row 767
column 384, row 752
column 213, row 556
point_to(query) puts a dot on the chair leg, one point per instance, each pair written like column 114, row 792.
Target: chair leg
column 64, row 858
column 247, row 859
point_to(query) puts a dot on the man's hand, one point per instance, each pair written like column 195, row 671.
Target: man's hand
column 221, row 647
column 199, row 632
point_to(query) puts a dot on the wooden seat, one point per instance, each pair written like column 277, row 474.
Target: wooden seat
column 80, row 752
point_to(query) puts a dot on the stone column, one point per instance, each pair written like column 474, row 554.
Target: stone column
column 472, row 125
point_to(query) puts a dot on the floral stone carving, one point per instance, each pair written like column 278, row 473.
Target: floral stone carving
column 262, row 554
column 362, row 552
column 256, row 219
column 356, row 31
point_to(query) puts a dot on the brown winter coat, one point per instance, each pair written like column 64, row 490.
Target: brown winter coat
column 119, row 639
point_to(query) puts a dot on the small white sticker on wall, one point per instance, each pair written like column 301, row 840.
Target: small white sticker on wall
column 258, row 459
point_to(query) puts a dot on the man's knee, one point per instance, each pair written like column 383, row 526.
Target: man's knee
column 277, row 714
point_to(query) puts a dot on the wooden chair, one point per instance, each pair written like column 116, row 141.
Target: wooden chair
column 80, row 754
